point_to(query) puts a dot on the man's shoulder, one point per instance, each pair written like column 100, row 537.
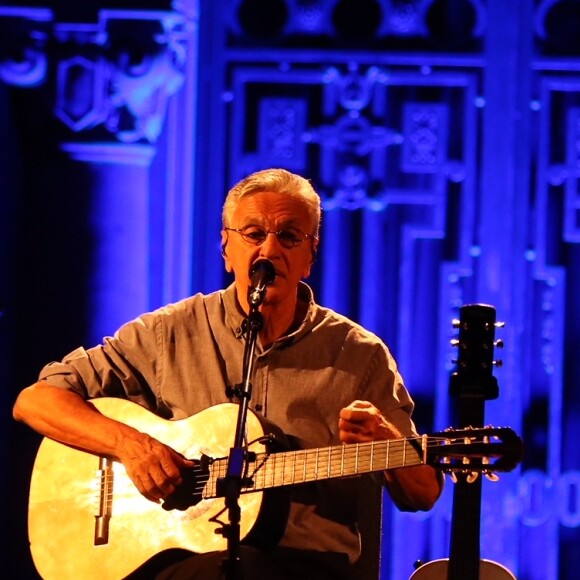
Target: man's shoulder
column 336, row 322
column 196, row 300
column 190, row 306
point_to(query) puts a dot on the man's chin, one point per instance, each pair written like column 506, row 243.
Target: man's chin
column 274, row 296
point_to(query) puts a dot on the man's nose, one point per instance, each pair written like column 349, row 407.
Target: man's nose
column 271, row 245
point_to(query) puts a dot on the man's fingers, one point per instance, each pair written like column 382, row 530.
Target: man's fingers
column 157, row 474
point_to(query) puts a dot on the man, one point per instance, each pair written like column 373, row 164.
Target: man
column 321, row 378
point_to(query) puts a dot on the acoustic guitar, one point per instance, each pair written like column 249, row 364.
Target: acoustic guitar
column 87, row 520
column 472, row 384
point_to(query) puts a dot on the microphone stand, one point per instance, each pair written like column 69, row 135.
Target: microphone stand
column 232, row 483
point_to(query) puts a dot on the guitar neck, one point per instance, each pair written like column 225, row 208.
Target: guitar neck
column 464, row 557
column 465, row 551
column 306, row 465
column 472, row 384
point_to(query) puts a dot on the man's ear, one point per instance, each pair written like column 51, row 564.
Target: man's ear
column 308, row 268
column 224, row 254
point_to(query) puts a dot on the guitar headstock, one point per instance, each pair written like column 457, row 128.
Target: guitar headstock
column 475, row 344
column 481, row 449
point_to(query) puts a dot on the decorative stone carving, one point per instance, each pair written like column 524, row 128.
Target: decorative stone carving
column 23, row 37
column 111, row 78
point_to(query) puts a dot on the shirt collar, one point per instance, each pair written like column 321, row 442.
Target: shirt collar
column 235, row 316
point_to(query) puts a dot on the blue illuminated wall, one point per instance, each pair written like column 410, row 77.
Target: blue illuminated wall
column 444, row 138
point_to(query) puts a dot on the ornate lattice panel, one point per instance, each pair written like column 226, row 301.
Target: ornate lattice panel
column 444, row 138
column 444, row 141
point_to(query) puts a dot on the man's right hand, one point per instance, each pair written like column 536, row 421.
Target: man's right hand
column 154, row 468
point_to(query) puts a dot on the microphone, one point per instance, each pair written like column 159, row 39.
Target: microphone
column 262, row 274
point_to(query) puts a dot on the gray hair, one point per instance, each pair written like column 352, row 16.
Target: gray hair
column 278, row 181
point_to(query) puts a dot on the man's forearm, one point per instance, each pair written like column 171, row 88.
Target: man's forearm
column 416, row 488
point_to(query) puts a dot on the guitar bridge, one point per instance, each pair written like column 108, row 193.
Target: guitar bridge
column 103, row 515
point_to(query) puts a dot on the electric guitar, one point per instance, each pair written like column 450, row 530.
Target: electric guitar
column 87, row 520
column 472, row 384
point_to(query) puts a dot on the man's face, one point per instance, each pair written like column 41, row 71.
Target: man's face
column 275, row 212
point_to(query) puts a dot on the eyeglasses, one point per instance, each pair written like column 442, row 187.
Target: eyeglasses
column 256, row 235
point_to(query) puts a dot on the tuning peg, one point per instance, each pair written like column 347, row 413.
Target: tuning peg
column 491, row 476
column 499, row 324
column 454, row 342
column 472, row 477
column 456, row 323
column 497, row 363
column 498, row 343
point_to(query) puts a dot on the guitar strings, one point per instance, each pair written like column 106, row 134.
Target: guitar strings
column 304, row 465
column 307, row 464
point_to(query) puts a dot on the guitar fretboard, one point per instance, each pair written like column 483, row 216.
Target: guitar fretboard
column 293, row 467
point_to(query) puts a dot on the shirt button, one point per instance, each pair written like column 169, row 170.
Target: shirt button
column 258, row 408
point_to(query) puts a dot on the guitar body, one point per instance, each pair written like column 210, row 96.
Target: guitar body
column 65, row 495
column 439, row 569
column 87, row 520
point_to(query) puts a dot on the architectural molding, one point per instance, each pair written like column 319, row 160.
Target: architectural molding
column 109, row 79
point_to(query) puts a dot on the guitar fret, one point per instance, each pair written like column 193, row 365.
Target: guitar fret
column 316, row 463
column 208, row 489
column 221, row 464
column 217, row 472
column 334, row 456
column 267, row 467
column 364, row 457
column 310, row 468
column 273, row 459
column 262, row 474
column 368, row 456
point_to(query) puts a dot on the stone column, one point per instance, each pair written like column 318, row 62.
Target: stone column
column 100, row 93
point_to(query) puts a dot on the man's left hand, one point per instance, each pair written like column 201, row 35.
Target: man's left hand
column 361, row 421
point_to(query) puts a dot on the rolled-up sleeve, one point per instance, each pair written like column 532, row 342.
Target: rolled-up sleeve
column 124, row 365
